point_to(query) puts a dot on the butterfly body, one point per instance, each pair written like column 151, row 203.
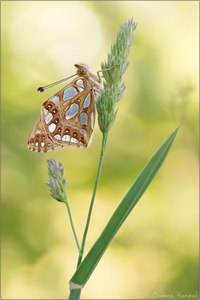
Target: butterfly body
column 67, row 118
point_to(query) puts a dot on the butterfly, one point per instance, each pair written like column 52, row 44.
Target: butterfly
column 67, row 118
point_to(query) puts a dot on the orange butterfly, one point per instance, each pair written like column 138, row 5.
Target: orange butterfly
column 67, row 118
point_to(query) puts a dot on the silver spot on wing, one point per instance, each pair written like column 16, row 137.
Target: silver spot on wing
column 72, row 111
column 86, row 101
column 48, row 118
column 80, row 85
column 57, row 136
column 84, row 118
column 84, row 132
column 73, row 140
column 69, row 93
column 92, row 120
column 66, row 138
column 52, row 127
column 55, row 99
column 45, row 111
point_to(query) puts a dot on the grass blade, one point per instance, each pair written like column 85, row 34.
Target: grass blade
column 90, row 262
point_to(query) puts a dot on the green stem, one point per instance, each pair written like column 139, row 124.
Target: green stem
column 103, row 148
column 75, row 294
column 72, row 225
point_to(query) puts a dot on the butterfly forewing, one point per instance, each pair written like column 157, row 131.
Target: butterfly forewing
column 67, row 118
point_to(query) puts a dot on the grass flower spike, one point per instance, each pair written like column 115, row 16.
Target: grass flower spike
column 57, row 182
column 113, row 69
column 57, row 185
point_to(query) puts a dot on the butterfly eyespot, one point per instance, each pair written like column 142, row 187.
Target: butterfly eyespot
column 82, row 138
column 56, row 121
column 43, row 137
column 75, row 134
column 54, row 111
column 49, row 105
column 67, row 130
column 59, row 129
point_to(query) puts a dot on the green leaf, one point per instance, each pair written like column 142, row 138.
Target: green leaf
column 90, row 262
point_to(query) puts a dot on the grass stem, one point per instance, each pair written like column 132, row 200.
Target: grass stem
column 103, row 148
column 72, row 224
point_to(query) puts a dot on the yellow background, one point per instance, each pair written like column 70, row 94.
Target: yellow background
column 155, row 252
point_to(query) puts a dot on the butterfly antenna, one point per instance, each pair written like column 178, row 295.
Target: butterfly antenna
column 42, row 88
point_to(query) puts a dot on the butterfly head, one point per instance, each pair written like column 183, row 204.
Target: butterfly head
column 82, row 69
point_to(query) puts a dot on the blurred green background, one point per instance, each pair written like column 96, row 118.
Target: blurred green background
column 156, row 252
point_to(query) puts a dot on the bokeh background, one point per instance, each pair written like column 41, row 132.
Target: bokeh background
column 155, row 254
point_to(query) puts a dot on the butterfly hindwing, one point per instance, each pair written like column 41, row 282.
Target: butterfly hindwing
column 69, row 115
column 39, row 140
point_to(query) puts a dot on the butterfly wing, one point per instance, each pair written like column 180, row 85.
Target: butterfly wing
column 68, row 116
column 39, row 140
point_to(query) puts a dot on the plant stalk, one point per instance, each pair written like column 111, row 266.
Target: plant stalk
column 75, row 293
column 103, row 148
column 72, row 224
